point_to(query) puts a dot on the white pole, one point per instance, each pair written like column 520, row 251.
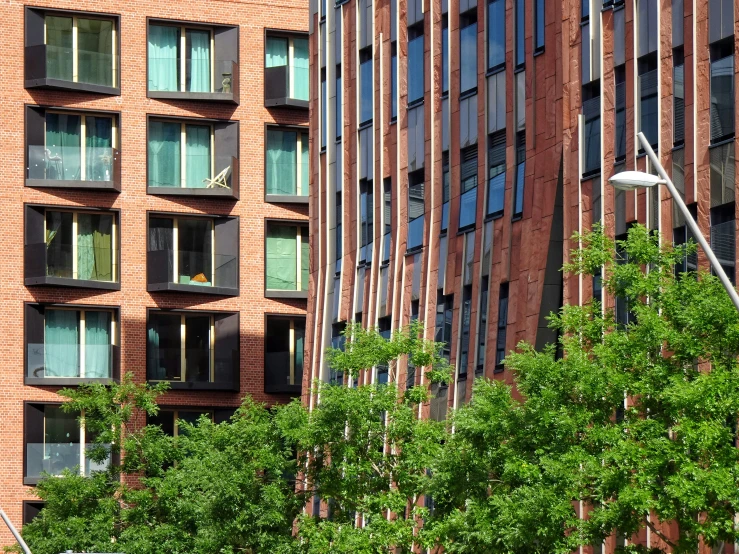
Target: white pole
column 690, row 221
column 15, row 532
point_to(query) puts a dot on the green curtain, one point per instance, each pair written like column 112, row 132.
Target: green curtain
column 304, row 258
column 61, row 343
column 199, row 78
column 95, row 52
column 164, row 154
column 163, row 66
column 197, row 155
column 276, row 52
column 305, row 165
column 97, row 345
column 94, row 247
column 59, row 47
column 282, row 260
column 281, row 162
column 153, row 370
column 300, row 69
column 63, row 146
column 99, row 148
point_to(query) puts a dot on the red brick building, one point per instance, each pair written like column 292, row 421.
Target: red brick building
column 154, row 213
column 458, row 144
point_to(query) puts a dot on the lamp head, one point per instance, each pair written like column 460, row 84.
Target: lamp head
column 631, row 180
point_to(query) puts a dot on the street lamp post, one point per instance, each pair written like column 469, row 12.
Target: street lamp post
column 15, row 532
column 630, row 180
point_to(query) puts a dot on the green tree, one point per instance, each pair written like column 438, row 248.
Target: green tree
column 634, row 421
column 366, row 450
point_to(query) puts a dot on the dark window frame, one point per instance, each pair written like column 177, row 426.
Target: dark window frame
column 502, row 326
column 285, row 198
column 281, row 98
column 275, row 293
column 295, row 388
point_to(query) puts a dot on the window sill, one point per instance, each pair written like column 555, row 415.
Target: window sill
column 57, row 84
column 102, row 186
column 498, row 370
column 722, row 142
column 293, row 390
column 414, row 250
column 65, row 381
column 495, row 70
column 539, row 51
column 300, row 294
column 517, row 217
column 393, row 120
column 417, row 102
column 494, row 216
column 222, row 97
column 75, row 283
column 365, row 125
column 292, row 103
column 466, row 229
column 198, row 289
column 468, row 94
column 219, row 192
column 285, row 199
column 590, row 174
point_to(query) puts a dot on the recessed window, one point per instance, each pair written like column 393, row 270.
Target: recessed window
column 468, row 187
column 496, row 173
column 72, row 50
column 193, row 60
column 54, row 442
column 500, row 343
column 287, row 259
column 72, row 149
column 198, row 254
column 69, row 342
column 416, row 209
column 365, row 85
column 415, row 64
column 283, row 354
column 193, row 349
column 496, row 34
column 722, row 90
column 192, row 157
column 64, row 246
column 591, row 128
column 468, row 51
column 444, row 313
column 286, row 70
column 287, row 163
column 366, row 223
column 518, row 189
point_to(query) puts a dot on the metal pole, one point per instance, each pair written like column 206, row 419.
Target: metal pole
column 690, row 221
column 15, row 532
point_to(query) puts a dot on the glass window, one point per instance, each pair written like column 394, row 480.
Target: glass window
column 79, row 245
column 290, row 55
column 387, row 216
column 366, row 214
column 287, row 257
column 464, row 347
column 681, row 234
column 54, row 443
column 723, row 238
column 468, row 187
column 500, row 343
column 722, row 91
column 77, row 147
column 324, row 103
column 365, row 85
column 722, row 174
column 444, row 313
column 445, row 54
column 446, row 192
column 591, row 128
column 468, row 51
column 678, row 87
column 620, row 145
column 539, row 25
column 80, row 50
column 180, row 347
column 339, row 104
column 394, row 82
column 180, row 154
column 720, row 19
column 518, row 190
column 496, row 34
column 194, row 252
column 180, row 59
column 496, row 173
column 169, row 420
column 287, row 162
column 415, row 64
column 339, row 231
column 648, row 115
column 416, row 209
column 520, row 54
column 482, row 325
column 283, row 351
column 647, row 27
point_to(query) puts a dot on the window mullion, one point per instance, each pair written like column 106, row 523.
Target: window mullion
column 175, row 248
column 74, row 246
column 290, row 67
column 82, row 344
column 75, row 51
column 292, row 352
column 183, row 57
column 183, row 351
column 83, row 141
column 212, row 356
column 298, row 253
column 183, row 155
column 83, row 440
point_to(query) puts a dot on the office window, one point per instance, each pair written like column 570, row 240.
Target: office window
column 193, row 349
column 722, row 90
column 72, row 148
column 539, row 25
column 496, row 173
column 287, row 257
column 723, row 238
column 468, row 187
column 496, row 34
column 387, row 215
column 394, row 81
column 286, row 70
column 184, row 58
column 500, row 344
column 339, row 232
column 519, row 33
column 66, row 342
column 76, row 245
column 54, row 441
column 584, row 9
column 678, row 23
column 720, row 20
column 384, row 328
column 283, row 354
column 648, row 115
column 365, row 85
column 446, row 190
column 339, row 105
column 77, row 51
column 464, row 347
column 647, row 37
column 416, row 209
column 468, row 51
column 620, row 113
column 681, row 235
column 191, row 253
column 415, row 64
column 722, row 174
column 444, row 313
column 591, row 128
column 324, row 102
column 338, row 340
column 518, row 190
column 366, row 214
column 445, row 54
column 678, row 87
column 287, row 162
column 482, row 327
